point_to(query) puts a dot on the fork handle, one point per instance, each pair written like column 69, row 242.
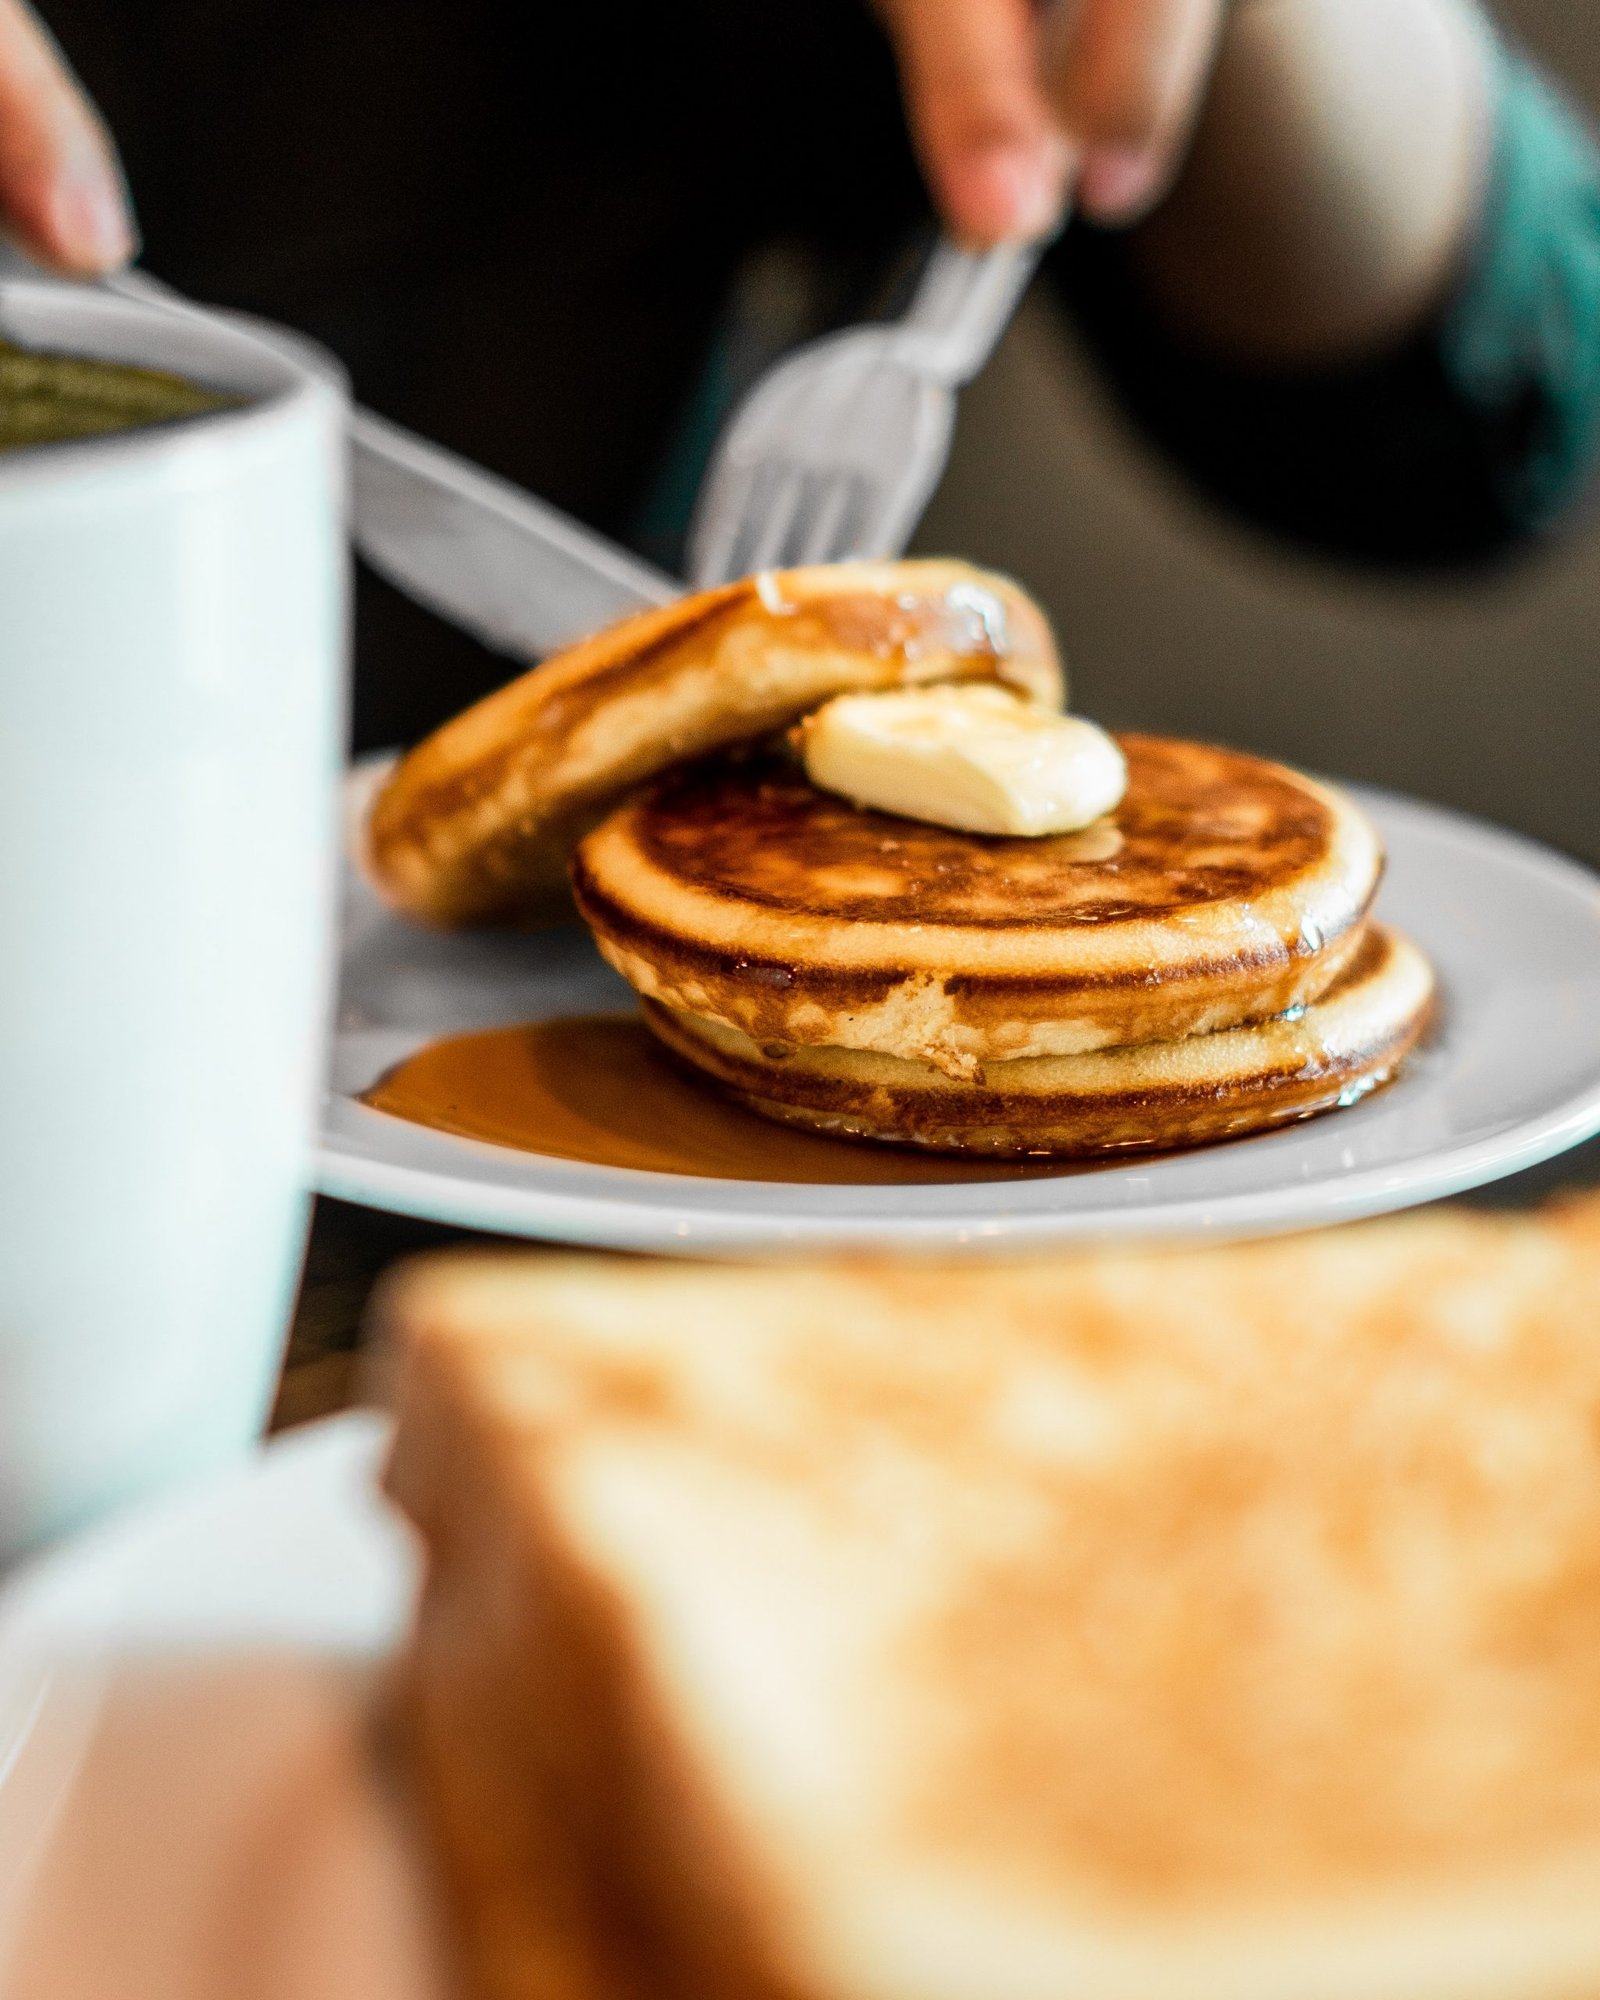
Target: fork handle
column 963, row 303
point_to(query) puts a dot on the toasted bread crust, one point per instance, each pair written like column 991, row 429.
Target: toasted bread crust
column 1183, row 1624
column 585, row 1861
column 477, row 823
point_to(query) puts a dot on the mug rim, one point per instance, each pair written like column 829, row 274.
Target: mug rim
column 308, row 377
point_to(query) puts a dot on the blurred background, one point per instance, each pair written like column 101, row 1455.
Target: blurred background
column 1484, row 694
column 526, row 230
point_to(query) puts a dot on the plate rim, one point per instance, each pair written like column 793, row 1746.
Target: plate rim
column 44, row 1597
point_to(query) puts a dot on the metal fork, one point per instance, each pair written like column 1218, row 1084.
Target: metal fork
column 836, row 451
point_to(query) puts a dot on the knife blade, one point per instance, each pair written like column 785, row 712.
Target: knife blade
column 521, row 576
column 515, row 572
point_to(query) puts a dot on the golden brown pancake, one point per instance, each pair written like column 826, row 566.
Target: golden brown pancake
column 1223, row 889
column 1155, row 1097
column 477, row 824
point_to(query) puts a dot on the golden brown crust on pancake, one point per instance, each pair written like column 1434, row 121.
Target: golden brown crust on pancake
column 1157, row 1097
column 476, row 824
column 1223, row 889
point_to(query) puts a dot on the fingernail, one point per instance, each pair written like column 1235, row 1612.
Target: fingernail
column 1117, row 182
column 1013, row 192
column 91, row 221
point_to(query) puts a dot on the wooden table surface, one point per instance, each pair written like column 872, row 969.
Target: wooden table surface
column 351, row 1247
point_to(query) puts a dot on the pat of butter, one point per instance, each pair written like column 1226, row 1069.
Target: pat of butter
column 975, row 758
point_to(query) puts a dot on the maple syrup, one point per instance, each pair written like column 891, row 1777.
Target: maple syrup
column 598, row 1088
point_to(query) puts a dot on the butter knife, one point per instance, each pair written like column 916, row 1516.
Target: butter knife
column 521, row 576
column 515, row 572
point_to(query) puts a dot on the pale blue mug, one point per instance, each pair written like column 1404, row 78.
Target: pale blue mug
column 173, row 614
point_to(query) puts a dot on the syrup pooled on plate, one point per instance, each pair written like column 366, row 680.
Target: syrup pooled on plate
column 598, row 1088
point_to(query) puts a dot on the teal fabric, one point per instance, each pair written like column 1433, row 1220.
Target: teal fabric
column 1523, row 332
column 1466, row 443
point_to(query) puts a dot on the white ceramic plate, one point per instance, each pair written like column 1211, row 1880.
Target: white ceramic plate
column 192, row 1796
column 1512, row 1078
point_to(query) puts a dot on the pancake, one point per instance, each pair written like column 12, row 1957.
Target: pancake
column 1223, row 889
column 1153, row 1098
column 477, row 824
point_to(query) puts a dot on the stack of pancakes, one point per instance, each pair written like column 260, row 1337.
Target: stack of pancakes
column 1198, row 964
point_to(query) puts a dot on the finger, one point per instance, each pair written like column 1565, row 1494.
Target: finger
column 61, row 192
column 993, row 157
column 1126, row 77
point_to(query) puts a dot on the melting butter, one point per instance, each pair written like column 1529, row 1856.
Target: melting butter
column 971, row 757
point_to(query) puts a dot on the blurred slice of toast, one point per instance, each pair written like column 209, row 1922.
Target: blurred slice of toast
column 1206, row 1626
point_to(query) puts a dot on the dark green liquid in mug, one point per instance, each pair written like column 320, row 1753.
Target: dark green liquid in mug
column 48, row 398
